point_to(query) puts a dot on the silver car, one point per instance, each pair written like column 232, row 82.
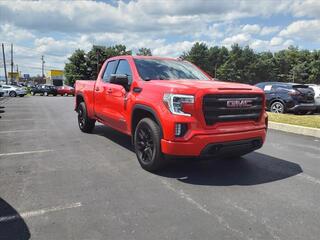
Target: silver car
column 13, row 91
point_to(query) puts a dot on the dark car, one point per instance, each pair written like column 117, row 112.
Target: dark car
column 44, row 89
column 288, row 97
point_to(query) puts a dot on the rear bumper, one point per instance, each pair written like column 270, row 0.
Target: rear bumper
column 304, row 107
column 216, row 144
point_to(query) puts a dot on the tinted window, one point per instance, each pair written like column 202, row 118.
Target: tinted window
column 124, row 68
column 260, row 85
column 163, row 69
column 108, row 71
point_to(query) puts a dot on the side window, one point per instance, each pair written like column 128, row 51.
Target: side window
column 124, row 68
column 267, row 88
column 109, row 70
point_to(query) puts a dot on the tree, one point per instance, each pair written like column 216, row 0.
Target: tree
column 144, row 52
column 76, row 68
column 199, row 55
column 84, row 65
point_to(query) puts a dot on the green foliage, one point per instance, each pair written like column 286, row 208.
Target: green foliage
column 242, row 64
column 82, row 65
column 144, row 52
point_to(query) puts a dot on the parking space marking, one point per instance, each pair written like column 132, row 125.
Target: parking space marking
column 39, row 212
column 22, row 153
column 202, row 208
column 309, row 178
column 25, row 130
column 23, row 119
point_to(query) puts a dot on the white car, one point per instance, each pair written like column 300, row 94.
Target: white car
column 316, row 89
column 13, row 91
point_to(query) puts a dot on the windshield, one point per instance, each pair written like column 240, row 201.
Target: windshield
column 160, row 69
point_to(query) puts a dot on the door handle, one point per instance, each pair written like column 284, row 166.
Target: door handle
column 109, row 90
column 97, row 88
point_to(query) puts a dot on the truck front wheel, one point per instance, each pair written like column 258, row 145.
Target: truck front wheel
column 147, row 145
column 85, row 123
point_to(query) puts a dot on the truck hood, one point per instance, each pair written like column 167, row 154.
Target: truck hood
column 194, row 85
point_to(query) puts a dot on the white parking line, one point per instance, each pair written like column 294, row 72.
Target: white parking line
column 309, row 178
column 39, row 212
column 22, row 153
column 26, row 130
column 22, row 119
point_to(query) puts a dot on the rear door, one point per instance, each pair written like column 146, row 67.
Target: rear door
column 306, row 93
column 101, row 91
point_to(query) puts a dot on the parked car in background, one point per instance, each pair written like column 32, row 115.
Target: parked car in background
column 13, row 91
column 44, row 90
column 316, row 89
column 1, row 91
column 288, row 97
column 65, row 90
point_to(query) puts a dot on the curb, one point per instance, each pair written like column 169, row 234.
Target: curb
column 307, row 131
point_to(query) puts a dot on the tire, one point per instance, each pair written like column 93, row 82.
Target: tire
column 62, row 94
column 54, row 94
column 277, row 107
column 147, row 145
column 85, row 123
column 33, row 93
column 45, row 94
column 12, row 94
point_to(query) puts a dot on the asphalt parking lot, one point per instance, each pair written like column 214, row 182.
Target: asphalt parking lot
column 60, row 183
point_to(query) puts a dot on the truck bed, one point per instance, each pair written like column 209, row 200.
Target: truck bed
column 85, row 88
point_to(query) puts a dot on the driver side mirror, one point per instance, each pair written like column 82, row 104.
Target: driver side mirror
column 120, row 79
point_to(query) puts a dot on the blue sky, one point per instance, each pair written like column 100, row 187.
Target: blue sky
column 169, row 27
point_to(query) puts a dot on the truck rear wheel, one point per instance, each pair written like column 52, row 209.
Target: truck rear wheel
column 147, row 145
column 85, row 123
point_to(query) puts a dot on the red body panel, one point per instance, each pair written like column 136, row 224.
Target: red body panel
column 112, row 105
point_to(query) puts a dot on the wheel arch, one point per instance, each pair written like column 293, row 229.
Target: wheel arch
column 79, row 99
column 142, row 111
column 277, row 100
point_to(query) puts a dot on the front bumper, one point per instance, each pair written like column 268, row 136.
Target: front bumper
column 204, row 145
column 304, row 107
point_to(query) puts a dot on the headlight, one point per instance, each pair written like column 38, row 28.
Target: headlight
column 175, row 102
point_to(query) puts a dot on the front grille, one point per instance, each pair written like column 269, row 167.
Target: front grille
column 216, row 108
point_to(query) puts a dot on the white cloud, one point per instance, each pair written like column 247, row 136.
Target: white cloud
column 307, row 30
column 251, row 29
column 276, row 41
column 306, row 8
column 269, row 30
column 241, row 38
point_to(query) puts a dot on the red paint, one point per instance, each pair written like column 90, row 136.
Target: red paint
column 112, row 105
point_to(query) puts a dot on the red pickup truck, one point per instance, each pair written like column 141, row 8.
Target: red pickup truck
column 170, row 107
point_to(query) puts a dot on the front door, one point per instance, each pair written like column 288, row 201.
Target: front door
column 117, row 96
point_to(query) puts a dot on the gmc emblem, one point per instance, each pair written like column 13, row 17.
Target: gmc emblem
column 239, row 103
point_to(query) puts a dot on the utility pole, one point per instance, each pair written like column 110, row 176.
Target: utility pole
column 11, row 63
column 4, row 64
column 42, row 62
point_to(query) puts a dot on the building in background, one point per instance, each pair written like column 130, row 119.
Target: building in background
column 55, row 77
column 15, row 76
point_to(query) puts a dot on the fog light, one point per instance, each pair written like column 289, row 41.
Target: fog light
column 180, row 129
